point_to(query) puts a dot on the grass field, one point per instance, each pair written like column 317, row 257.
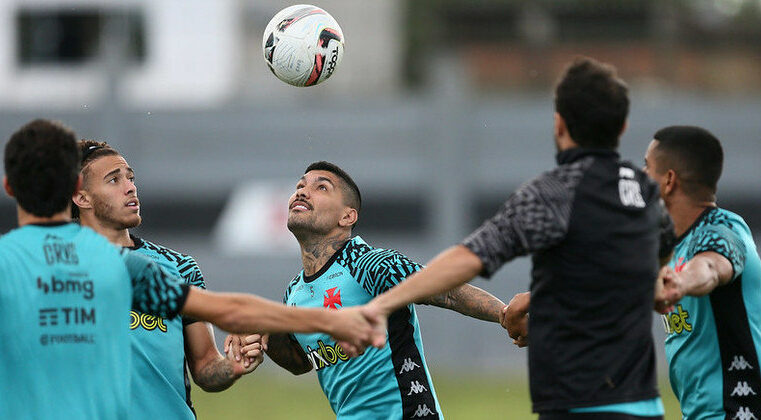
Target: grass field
column 265, row 395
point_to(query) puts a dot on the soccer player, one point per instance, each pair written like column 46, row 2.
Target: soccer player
column 66, row 292
column 714, row 332
column 341, row 271
column 108, row 203
column 592, row 227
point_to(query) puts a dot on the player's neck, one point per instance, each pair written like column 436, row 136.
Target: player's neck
column 317, row 250
column 685, row 211
column 26, row 218
column 118, row 237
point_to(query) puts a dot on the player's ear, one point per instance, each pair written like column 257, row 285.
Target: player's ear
column 349, row 217
column 560, row 128
column 80, row 197
column 670, row 185
column 7, row 187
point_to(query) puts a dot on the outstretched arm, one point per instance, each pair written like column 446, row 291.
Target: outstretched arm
column 452, row 268
column 470, row 301
column 212, row 371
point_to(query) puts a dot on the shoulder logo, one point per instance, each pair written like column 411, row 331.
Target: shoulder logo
column 739, row 363
column 408, row 366
column 422, row 411
column 680, row 263
column 332, row 298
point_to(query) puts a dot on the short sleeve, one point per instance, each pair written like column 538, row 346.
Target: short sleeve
column 154, row 291
column 721, row 239
column 534, row 218
column 380, row 270
column 191, row 272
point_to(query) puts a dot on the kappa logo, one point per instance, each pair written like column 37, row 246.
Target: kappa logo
column 739, row 363
column 422, row 411
column 744, row 413
column 742, row 389
column 416, row 388
column 408, row 366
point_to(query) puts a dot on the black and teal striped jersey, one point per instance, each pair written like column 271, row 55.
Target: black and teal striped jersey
column 160, row 383
column 714, row 341
column 388, row 383
column 65, row 295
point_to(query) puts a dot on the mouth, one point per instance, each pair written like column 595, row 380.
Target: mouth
column 133, row 204
column 299, row 205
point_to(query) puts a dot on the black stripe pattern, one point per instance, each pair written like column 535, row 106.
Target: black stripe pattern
column 533, row 218
column 154, row 291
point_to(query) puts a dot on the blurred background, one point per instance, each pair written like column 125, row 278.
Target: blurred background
column 438, row 110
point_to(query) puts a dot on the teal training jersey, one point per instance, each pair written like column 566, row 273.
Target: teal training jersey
column 160, row 384
column 388, row 383
column 714, row 341
column 65, row 292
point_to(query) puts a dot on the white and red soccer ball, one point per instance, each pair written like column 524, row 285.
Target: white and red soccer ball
column 303, row 45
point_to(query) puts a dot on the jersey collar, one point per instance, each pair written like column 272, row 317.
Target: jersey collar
column 137, row 241
column 695, row 223
column 324, row 268
column 576, row 153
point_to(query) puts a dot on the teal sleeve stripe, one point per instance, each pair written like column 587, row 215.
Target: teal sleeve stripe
column 645, row 408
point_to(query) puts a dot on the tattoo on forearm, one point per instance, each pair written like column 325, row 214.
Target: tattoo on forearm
column 216, row 376
column 284, row 352
column 471, row 301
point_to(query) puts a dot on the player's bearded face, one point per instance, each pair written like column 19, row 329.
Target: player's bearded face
column 316, row 205
column 113, row 193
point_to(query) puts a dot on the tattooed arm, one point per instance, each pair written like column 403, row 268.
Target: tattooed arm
column 287, row 354
column 210, row 370
column 469, row 300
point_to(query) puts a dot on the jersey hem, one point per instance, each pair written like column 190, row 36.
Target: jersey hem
column 555, row 405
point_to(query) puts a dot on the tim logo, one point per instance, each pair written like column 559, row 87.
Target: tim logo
column 56, row 286
column 629, row 189
column 148, row 322
column 332, row 298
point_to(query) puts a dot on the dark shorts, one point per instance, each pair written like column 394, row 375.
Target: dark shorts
column 560, row 415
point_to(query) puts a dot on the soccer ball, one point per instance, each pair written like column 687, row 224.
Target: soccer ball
column 302, row 45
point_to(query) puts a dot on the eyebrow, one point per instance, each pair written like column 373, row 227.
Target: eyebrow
column 322, row 178
column 117, row 170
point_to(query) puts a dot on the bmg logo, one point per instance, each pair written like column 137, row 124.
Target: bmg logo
column 84, row 287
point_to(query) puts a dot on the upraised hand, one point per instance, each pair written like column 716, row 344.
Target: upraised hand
column 514, row 318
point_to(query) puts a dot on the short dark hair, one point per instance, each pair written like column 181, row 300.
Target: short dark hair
column 694, row 154
column 42, row 165
column 351, row 193
column 91, row 150
column 594, row 103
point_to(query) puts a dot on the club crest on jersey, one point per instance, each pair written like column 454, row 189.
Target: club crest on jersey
column 332, row 298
